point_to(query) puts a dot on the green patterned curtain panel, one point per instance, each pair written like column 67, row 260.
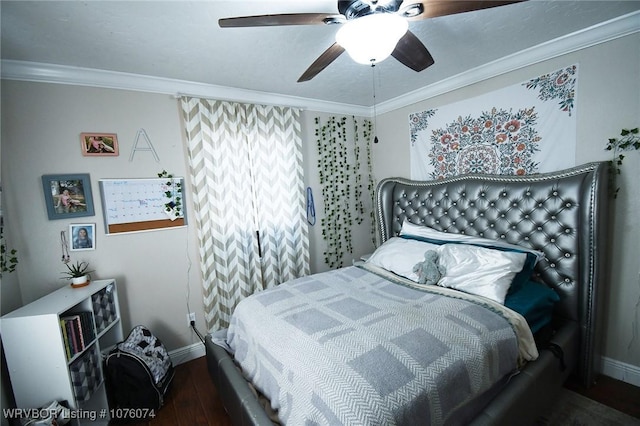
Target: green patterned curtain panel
column 246, row 171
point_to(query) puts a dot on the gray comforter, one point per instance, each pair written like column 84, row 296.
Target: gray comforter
column 354, row 347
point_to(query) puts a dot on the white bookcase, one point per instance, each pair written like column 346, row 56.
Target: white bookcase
column 44, row 362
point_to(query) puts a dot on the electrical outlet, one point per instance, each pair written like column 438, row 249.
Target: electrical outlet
column 191, row 317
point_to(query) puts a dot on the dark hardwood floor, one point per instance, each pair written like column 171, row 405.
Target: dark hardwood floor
column 613, row 393
column 193, row 400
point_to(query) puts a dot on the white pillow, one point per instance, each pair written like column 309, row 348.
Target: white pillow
column 479, row 270
column 472, row 269
column 400, row 255
column 432, row 236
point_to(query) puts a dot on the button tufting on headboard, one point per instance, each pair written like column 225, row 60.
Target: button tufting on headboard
column 562, row 214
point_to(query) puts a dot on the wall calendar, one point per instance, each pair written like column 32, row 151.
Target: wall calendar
column 132, row 205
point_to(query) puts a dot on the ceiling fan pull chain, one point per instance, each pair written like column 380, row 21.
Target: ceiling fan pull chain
column 375, row 114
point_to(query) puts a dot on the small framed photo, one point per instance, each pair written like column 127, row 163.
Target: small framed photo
column 83, row 236
column 99, row 144
column 67, row 196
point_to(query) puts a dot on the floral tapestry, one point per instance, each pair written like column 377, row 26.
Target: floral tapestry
column 518, row 130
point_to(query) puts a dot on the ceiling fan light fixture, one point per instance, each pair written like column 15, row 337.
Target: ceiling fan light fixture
column 371, row 39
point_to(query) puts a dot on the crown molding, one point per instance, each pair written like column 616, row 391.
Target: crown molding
column 606, row 31
column 78, row 76
column 51, row 73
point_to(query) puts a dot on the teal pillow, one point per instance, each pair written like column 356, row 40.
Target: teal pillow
column 522, row 277
column 534, row 301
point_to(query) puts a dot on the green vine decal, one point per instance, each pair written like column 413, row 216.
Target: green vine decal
column 8, row 257
column 341, row 172
column 173, row 193
column 629, row 140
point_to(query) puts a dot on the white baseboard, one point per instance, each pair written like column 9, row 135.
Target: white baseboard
column 187, row 353
column 620, row 371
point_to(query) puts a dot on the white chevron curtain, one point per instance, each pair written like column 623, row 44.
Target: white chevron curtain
column 246, row 171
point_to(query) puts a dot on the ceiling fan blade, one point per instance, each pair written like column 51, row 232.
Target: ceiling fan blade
column 435, row 8
column 322, row 62
column 280, row 19
column 411, row 52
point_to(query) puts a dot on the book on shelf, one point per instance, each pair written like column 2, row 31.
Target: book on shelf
column 65, row 338
column 86, row 326
column 78, row 332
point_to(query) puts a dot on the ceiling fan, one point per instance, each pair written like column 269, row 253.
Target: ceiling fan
column 380, row 27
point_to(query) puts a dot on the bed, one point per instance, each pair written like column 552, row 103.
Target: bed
column 558, row 218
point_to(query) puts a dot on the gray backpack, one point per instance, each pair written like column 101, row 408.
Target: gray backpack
column 138, row 375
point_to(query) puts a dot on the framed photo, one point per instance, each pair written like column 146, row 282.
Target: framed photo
column 99, row 144
column 83, row 236
column 67, row 196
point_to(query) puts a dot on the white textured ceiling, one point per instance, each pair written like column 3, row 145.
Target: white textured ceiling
column 182, row 40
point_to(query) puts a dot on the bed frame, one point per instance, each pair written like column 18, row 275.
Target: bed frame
column 564, row 214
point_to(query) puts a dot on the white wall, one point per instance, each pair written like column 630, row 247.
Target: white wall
column 158, row 272
column 608, row 99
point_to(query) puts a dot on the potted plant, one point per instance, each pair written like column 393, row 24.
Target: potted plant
column 79, row 274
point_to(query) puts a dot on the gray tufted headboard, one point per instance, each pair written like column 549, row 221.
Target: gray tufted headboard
column 564, row 214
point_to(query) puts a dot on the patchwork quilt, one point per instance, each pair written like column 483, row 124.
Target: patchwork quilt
column 354, row 346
